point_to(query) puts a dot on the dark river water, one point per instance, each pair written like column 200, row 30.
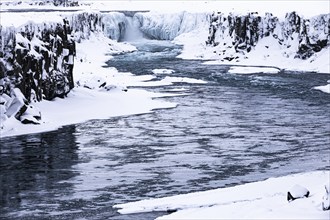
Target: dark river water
column 232, row 130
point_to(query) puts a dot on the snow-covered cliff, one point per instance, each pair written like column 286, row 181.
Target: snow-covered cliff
column 36, row 62
column 37, row 56
column 291, row 41
column 296, row 37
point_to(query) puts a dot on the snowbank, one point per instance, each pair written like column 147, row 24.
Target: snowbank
column 319, row 62
column 84, row 103
column 259, row 200
column 99, row 92
column 325, row 88
column 260, row 39
column 250, row 70
column 31, row 17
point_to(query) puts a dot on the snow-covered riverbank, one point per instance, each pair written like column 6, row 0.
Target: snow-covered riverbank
column 224, row 46
column 265, row 53
column 99, row 92
column 259, row 200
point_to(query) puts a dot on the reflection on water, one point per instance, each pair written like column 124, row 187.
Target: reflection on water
column 32, row 165
column 234, row 129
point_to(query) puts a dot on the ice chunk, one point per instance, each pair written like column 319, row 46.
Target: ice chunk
column 162, row 71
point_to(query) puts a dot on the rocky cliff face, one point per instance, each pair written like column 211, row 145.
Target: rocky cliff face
column 38, row 60
column 295, row 35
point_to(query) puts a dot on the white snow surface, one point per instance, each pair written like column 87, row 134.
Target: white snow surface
column 280, row 8
column 325, row 88
column 298, row 191
column 271, row 56
column 30, row 17
column 251, row 70
column 266, row 53
column 259, row 200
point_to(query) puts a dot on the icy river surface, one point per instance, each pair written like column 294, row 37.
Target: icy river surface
column 232, row 130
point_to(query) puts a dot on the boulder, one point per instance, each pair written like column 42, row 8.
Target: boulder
column 18, row 105
column 297, row 192
column 31, row 115
column 29, row 119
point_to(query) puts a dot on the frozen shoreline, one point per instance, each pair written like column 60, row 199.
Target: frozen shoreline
column 258, row 200
column 266, row 53
column 88, row 100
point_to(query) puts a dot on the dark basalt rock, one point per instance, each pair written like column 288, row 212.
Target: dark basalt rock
column 229, row 58
column 38, row 61
column 38, row 68
column 170, row 211
column 291, row 198
column 30, row 120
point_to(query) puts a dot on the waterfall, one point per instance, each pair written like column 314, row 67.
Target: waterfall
column 132, row 32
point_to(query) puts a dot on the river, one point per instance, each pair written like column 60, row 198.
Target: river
column 232, row 130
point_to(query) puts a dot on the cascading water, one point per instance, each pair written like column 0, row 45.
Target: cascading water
column 132, row 32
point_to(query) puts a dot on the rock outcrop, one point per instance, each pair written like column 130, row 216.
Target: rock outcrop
column 37, row 60
column 298, row 36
